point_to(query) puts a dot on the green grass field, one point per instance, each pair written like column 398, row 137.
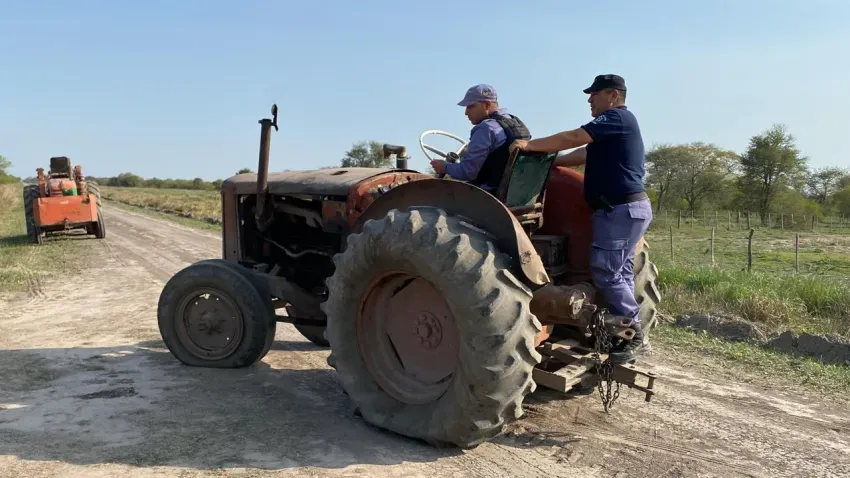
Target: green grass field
column 23, row 265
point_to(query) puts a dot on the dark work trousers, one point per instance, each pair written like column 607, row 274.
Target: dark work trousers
column 615, row 235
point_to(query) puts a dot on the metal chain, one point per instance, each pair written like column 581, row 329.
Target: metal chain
column 604, row 369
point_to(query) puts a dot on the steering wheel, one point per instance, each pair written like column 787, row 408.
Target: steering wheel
column 426, row 148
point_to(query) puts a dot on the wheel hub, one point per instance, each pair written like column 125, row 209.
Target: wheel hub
column 211, row 326
column 428, row 330
column 408, row 337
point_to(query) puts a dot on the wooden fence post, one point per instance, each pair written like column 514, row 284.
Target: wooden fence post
column 671, row 243
column 797, row 252
column 712, row 247
column 750, row 250
column 679, row 221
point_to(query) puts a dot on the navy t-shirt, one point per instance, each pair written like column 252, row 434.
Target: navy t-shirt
column 615, row 158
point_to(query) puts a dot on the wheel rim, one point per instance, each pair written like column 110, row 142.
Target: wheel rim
column 209, row 324
column 408, row 337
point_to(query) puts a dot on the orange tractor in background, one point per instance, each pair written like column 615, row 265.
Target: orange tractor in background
column 62, row 202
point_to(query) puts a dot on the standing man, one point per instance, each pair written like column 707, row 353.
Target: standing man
column 613, row 187
column 483, row 163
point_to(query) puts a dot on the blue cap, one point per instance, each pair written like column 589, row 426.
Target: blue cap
column 479, row 93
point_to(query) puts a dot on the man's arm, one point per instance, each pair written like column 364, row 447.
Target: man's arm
column 559, row 141
column 603, row 126
column 480, row 143
column 574, row 158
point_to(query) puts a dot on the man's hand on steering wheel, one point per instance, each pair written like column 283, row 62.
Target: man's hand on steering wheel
column 439, row 166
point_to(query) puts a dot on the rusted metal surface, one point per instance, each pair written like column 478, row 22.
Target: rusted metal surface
column 568, row 363
column 231, row 249
column 554, row 304
column 408, row 337
column 400, row 153
column 334, row 217
column 280, row 288
column 42, row 184
column 566, row 213
column 322, row 182
column 477, row 207
column 361, row 195
column 262, row 218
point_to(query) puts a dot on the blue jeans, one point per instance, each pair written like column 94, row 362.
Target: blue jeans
column 615, row 235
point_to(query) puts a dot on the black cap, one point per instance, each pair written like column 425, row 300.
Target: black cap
column 606, row 81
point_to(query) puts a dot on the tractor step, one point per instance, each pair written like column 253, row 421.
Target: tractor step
column 567, row 363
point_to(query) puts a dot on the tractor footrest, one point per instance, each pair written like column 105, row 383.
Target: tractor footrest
column 567, row 363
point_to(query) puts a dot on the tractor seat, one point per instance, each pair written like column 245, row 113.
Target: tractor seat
column 523, row 186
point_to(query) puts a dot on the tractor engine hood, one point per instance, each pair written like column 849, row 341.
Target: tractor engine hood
column 326, row 182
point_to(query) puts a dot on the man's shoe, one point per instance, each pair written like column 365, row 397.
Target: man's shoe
column 632, row 348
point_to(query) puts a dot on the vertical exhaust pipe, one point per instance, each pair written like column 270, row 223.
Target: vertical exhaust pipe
column 400, row 153
column 263, row 169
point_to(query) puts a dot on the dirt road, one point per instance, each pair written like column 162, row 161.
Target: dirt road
column 87, row 389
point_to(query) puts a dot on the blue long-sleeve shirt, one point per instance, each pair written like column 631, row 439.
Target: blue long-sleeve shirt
column 484, row 138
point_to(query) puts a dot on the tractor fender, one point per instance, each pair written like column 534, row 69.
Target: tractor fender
column 477, row 207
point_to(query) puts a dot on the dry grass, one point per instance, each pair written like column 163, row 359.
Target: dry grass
column 22, row 264
column 200, row 205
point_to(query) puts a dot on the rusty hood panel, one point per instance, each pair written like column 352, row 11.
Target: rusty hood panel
column 333, row 181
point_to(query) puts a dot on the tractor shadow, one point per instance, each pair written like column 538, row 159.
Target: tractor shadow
column 14, row 241
column 137, row 405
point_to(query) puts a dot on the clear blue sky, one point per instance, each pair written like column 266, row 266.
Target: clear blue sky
column 175, row 88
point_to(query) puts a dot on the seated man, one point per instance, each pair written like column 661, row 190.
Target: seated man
column 483, row 163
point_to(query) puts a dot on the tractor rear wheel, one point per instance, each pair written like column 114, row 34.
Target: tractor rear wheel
column 99, row 226
column 93, row 188
column 30, row 198
column 647, row 293
column 214, row 313
column 430, row 332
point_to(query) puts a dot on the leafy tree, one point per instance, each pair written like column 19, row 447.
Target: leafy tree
column 842, row 201
column 705, row 170
column 5, row 177
column 824, row 182
column 772, row 161
column 244, row 171
column 366, row 155
column 662, row 169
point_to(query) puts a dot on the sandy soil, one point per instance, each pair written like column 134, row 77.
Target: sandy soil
column 87, row 389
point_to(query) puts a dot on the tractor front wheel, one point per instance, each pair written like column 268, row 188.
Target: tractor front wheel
column 215, row 314
column 430, row 332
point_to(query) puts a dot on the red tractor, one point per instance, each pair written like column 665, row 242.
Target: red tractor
column 443, row 305
column 62, row 202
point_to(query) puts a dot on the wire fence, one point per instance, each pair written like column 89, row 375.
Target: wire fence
column 820, row 252
column 745, row 220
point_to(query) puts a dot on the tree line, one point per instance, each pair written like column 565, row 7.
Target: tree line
column 772, row 175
